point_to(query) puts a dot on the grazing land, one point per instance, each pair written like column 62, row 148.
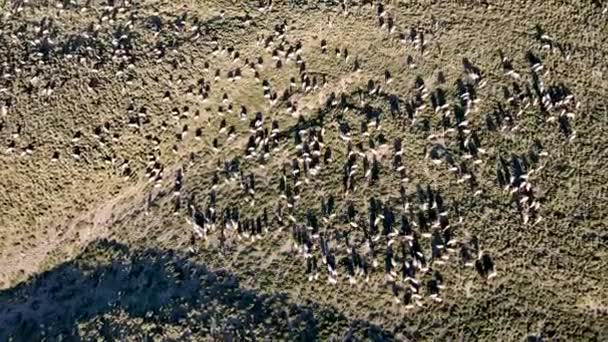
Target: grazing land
column 303, row 170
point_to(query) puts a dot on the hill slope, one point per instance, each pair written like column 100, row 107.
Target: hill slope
column 388, row 170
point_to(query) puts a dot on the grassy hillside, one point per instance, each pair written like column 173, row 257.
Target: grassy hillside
column 306, row 170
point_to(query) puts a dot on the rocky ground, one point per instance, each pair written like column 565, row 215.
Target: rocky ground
column 303, row 170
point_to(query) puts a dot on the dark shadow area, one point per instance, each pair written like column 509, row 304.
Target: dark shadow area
column 162, row 288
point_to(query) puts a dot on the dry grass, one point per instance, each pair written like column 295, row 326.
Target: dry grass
column 552, row 277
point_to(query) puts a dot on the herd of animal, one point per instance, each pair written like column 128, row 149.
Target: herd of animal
column 409, row 236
